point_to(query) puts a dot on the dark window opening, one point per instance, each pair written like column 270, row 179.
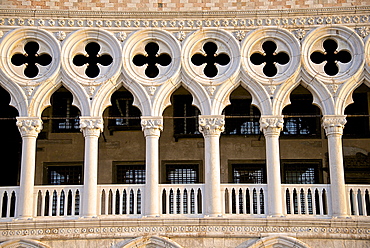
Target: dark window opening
column 357, row 169
column 62, row 115
column 302, row 118
column 249, row 173
column 30, row 58
column 123, row 115
column 11, row 142
column 241, row 118
column 358, row 114
column 301, row 172
column 64, row 174
column 91, row 59
column 185, row 117
column 210, row 59
column 182, row 173
column 270, row 58
column 331, row 56
column 152, row 59
column 130, row 173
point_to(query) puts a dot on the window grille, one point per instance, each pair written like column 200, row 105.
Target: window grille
column 65, row 175
column 301, row 173
column 182, row 173
column 185, row 116
column 249, row 173
column 241, row 118
column 130, row 174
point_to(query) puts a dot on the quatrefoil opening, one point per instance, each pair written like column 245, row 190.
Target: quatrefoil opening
column 331, row 56
column 92, row 59
column 211, row 58
column 152, row 59
column 270, row 58
column 31, row 59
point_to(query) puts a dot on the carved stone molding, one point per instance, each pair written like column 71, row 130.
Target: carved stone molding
column 152, row 125
column 211, row 124
column 29, row 126
column 334, row 124
column 271, row 125
column 91, row 126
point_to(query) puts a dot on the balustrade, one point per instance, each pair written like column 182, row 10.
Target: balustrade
column 306, row 199
column 182, row 199
column 8, row 200
column 123, row 199
column 244, row 199
column 57, row 200
column 358, row 199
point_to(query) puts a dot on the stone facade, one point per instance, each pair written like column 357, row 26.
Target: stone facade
column 329, row 214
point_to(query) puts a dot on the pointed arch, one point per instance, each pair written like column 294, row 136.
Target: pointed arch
column 23, row 243
column 260, row 97
column 275, row 241
column 141, row 242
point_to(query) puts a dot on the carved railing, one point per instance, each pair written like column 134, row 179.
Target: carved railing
column 57, row 200
column 184, row 199
column 358, row 200
column 247, row 199
column 8, row 201
column 307, row 199
column 121, row 199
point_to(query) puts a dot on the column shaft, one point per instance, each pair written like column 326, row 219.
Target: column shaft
column 29, row 128
column 271, row 127
column 211, row 127
column 152, row 127
column 333, row 126
column 91, row 128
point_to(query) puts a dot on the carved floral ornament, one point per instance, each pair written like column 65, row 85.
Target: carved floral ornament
column 211, row 125
column 29, row 126
column 91, row 126
column 271, row 124
column 152, row 126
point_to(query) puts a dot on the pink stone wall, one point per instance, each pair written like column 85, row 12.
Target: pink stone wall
column 176, row 5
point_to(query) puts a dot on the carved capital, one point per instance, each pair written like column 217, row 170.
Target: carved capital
column 211, row 124
column 333, row 124
column 152, row 125
column 91, row 126
column 271, row 125
column 29, row 126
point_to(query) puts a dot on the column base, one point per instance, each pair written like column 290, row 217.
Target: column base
column 213, row 216
column 89, row 217
column 151, row 216
column 341, row 217
column 24, row 218
column 276, row 216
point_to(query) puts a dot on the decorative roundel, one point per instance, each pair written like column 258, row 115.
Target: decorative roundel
column 270, row 55
column 333, row 54
column 91, row 56
column 30, row 56
column 151, row 57
column 211, row 56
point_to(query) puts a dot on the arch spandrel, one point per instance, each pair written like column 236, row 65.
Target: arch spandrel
column 152, row 242
column 24, row 243
column 273, row 242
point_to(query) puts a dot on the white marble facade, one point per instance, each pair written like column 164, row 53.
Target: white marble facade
column 297, row 33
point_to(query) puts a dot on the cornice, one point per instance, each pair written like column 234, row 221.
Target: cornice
column 183, row 14
column 48, row 229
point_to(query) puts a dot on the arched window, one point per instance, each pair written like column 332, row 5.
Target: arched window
column 241, row 118
column 61, row 116
column 10, row 144
column 185, row 114
column 123, row 116
column 302, row 118
column 358, row 115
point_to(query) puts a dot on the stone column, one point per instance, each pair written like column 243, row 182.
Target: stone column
column 29, row 127
column 152, row 127
column 211, row 126
column 271, row 127
column 91, row 127
column 333, row 125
